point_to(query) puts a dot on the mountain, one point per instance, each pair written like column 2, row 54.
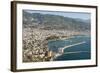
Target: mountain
column 49, row 22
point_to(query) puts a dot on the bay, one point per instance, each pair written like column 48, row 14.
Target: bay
column 77, row 52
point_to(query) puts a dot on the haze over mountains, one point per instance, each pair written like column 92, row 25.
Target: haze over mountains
column 50, row 21
column 39, row 29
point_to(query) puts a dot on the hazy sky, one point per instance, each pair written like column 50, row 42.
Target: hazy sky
column 80, row 15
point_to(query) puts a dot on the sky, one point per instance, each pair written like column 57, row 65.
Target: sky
column 78, row 15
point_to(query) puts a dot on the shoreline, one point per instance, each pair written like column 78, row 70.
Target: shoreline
column 36, row 41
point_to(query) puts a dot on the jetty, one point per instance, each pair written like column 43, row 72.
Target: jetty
column 61, row 50
column 76, row 52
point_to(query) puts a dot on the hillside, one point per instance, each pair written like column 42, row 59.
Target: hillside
column 49, row 22
column 39, row 29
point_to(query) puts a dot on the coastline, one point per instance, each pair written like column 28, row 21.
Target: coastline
column 38, row 39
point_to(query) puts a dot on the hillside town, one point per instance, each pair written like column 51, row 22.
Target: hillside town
column 35, row 43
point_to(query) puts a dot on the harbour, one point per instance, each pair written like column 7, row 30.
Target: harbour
column 78, row 48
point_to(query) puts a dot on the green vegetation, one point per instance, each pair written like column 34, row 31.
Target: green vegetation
column 52, row 37
column 39, row 28
column 48, row 21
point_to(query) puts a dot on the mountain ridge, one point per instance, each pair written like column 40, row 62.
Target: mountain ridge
column 49, row 21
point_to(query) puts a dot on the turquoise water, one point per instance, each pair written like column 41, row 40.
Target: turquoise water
column 78, row 52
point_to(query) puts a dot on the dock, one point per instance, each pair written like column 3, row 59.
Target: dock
column 61, row 50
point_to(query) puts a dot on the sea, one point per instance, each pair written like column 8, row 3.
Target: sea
column 76, row 52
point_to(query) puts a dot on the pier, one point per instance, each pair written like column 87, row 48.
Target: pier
column 61, row 50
